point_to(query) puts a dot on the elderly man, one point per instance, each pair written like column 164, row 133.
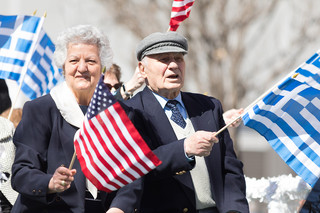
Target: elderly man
column 200, row 172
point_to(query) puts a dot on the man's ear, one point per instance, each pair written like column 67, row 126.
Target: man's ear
column 142, row 69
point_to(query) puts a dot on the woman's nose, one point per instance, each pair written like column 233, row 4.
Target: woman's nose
column 82, row 67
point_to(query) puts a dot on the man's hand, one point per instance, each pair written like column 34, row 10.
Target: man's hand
column 115, row 210
column 200, row 143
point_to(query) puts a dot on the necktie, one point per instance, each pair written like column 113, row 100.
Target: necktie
column 176, row 115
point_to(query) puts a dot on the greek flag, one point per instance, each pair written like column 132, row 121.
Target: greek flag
column 289, row 118
column 26, row 53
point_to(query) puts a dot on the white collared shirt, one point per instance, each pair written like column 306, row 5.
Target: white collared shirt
column 163, row 101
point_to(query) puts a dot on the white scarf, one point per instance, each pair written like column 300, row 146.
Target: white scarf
column 69, row 108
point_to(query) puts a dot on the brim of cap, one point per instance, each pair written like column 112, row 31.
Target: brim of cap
column 164, row 49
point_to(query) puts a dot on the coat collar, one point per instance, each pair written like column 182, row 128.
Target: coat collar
column 67, row 104
column 72, row 113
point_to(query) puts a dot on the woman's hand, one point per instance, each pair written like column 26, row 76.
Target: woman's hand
column 61, row 180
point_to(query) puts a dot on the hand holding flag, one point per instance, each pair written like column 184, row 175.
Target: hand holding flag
column 110, row 150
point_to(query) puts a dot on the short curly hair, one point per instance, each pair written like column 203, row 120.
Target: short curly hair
column 85, row 34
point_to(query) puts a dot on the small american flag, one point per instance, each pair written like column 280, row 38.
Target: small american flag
column 110, row 150
column 180, row 11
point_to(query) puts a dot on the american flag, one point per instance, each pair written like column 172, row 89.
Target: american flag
column 26, row 53
column 110, row 150
column 289, row 118
column 180, row 11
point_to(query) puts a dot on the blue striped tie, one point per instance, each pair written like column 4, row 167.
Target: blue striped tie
column 176, row 115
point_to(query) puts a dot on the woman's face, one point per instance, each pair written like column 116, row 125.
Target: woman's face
column 111, row 82
column 82, row 68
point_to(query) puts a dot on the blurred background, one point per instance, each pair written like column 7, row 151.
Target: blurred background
column 238, row 49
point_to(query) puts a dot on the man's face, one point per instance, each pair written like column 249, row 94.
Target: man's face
column 164, row 73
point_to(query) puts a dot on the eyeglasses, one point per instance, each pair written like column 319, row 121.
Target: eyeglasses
column 116, row 86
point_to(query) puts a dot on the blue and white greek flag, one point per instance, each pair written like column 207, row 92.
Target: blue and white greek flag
column 289, row 118
column 26, row 53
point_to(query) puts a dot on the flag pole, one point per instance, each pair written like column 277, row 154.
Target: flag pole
column 28, row 59
column 258, row 99
column 73, row 159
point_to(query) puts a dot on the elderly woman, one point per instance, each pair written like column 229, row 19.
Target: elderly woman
column 44, row 137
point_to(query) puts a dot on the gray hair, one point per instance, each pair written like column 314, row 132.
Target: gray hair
column 84, row 34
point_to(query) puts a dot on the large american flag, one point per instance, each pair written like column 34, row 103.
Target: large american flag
column 289, row 118
column 26, row 54
column 180, row 11
column 110, row 150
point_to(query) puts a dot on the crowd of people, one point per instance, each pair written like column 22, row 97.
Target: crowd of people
column 199, row 173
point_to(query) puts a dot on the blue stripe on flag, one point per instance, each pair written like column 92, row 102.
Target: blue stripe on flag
column 13, row 61
column 316, row 62
column 28, row 91
column 282, row 151
column 9, row 75
column 30, row 24
column 7, row 21
column 309, row 74
column 23, row 45
column 35, row 79
column 292, row 122
column 311, row 59
column 5, row 41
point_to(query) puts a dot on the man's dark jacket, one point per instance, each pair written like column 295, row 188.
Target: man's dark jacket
column 169, row 187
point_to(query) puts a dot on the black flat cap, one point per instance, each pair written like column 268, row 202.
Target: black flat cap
column 156, row 43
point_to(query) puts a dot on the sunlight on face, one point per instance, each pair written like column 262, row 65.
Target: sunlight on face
column 82, row 68
column 165, row 73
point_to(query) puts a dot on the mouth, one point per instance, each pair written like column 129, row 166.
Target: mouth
column 82, row 77
column 173, row 76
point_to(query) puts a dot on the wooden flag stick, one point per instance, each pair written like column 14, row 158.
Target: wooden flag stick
column 73, row 159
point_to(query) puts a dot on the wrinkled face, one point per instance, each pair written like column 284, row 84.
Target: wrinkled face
column 82, row 68
column 164, row 73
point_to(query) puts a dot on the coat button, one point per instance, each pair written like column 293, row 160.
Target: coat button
column 180, row 172
column 58, row 198
column 185, row 210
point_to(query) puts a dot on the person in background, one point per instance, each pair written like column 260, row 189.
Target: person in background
column 200, row 172
column 5, row 102
column 7, row 194
column 231, row 115
column 122, row 91
column 44, row 138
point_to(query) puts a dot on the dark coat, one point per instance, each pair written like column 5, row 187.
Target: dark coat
column 169, row 187
column 44, row 141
